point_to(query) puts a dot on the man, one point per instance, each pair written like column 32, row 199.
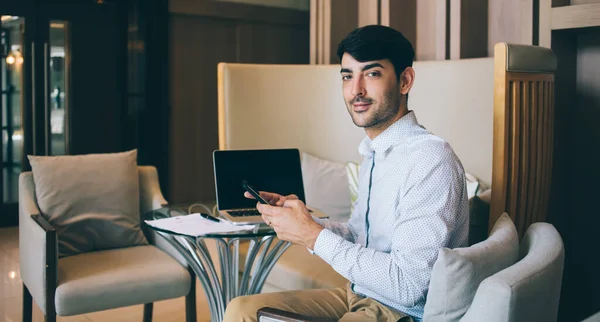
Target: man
column 412, row 199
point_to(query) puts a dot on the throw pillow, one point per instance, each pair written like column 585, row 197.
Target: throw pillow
column 326, row 186
column 458, row 272
column 91, row 200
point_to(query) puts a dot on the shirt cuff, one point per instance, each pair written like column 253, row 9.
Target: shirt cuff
column 325, row 244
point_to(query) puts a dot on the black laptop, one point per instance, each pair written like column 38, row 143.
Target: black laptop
column 273, row 170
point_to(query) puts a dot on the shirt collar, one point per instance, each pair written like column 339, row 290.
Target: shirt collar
column 391, row 136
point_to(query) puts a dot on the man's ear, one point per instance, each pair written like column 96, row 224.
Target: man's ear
column 407, row 79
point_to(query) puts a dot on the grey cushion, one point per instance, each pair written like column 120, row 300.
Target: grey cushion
column 528, row 290
column 91, row 200
column 457, row 272
column 116, row 278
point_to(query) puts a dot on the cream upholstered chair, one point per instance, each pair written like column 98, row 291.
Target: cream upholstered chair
column 98, row 280
column 528, row 290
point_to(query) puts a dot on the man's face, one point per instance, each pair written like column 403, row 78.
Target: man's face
column 371, row 92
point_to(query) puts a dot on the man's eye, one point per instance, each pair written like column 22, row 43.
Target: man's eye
column 346, row 77
column 373, row 74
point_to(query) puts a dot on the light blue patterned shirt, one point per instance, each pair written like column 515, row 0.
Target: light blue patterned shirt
column 412, row 201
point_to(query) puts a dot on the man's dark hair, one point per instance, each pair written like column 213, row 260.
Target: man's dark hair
column 376, row 42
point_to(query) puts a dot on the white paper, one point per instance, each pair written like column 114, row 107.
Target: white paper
column 196, row 225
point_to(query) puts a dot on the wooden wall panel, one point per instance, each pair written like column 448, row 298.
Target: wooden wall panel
column 431, row 30
column 238, row 12
column 198, row 42
column 198, row 45
column 403, row 17
column 578, row 170
column 468, row 29
column 368, row 12
column 265, row 44
column 344, row 19
column 510, row 21
column 585, row 174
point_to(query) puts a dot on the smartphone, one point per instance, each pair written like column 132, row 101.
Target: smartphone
column 253, row 192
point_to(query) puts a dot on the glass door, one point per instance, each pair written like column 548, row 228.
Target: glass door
column 11, row 74
column 13, row 99
column 52, row 104
column 34, row 98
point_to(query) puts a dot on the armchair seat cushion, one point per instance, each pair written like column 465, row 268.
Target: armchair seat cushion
column 108, row 279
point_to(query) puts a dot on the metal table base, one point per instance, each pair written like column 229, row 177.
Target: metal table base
column 258, row 264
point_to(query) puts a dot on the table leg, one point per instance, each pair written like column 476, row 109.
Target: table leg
column 220, row 292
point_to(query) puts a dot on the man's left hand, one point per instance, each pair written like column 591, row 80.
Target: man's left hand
column 292, row 222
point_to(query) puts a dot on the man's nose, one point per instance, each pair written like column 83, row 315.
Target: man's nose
column 358, row 88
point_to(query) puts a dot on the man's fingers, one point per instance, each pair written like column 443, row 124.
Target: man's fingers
column 270, row 210
column 294, row 204
column 267, row 219
column 283, row 199
column 270, row 197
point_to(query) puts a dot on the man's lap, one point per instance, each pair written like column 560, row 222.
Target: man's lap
column 328, row 303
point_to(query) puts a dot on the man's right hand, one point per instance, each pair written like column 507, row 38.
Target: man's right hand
column 272, row 198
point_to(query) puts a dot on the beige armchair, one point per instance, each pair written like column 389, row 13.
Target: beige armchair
column 98, row 280
column 528, row 290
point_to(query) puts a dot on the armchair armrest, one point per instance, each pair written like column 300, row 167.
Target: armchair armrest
column 151, row 198
column 269, row 314
column 38, row 247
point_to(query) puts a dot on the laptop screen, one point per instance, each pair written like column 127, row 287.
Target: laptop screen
column 276, row 170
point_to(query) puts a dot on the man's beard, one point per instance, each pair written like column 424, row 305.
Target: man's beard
column 380, row 113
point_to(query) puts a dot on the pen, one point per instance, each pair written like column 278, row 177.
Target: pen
column 209, row 217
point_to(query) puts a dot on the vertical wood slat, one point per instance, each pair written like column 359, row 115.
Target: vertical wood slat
column 532, row 195
column 544, row 157
column 522, row 158
column 530, row 151
column 513, row 172
column 539, row 107
column 549, row 142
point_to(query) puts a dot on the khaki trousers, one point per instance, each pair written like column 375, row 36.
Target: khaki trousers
column 338, row 303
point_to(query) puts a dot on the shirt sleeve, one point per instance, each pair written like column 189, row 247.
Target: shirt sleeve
column 344, row 230
column 426, row 215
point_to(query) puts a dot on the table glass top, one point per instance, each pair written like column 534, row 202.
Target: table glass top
column 170, row 211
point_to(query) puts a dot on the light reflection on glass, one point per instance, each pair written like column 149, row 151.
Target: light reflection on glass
column 58, row 86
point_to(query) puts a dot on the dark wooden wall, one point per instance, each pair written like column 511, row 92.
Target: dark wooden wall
column 576, row 168
column 202, row 34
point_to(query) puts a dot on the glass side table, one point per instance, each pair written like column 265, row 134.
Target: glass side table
column 258, row 264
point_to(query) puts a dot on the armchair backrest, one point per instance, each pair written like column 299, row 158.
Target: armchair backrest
column 150, row 195
column 529, row 290
column 523, row 133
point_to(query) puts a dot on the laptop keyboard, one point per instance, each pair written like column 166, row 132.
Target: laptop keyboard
column 244, row 212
